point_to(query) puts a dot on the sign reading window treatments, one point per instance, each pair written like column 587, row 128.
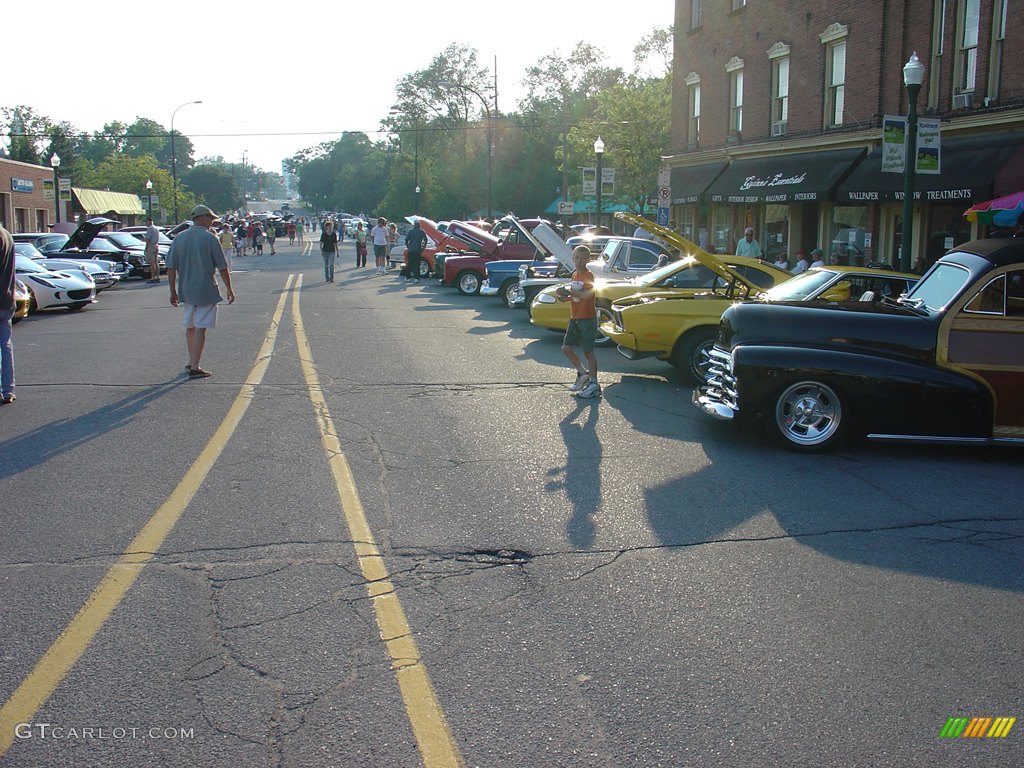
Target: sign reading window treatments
column 894, row 145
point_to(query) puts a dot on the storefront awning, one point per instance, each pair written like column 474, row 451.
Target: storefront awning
column 96, row 201
column 689, row 183
column 969, row 170
column 805, row 177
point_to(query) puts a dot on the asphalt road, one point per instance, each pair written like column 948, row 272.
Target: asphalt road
column 383, row 534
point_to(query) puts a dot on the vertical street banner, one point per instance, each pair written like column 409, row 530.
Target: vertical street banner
column 894, row 144
column 928, row 146
column 589, row 181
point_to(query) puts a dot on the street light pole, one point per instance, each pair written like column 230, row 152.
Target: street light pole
column 174, row 159
column 149, row 194
column 55, row 163
column 913, row 76
column 599, row 151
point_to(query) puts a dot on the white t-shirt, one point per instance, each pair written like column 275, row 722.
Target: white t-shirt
column 801, row 266
column 818, row 263
column 379, row 235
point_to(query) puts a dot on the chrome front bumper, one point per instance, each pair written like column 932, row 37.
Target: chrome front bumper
column 717, row 396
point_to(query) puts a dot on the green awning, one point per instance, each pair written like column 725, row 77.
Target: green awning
column 588, row 205
column 95, row 202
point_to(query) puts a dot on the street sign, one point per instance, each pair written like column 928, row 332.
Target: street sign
column 565, row 209
column 664, row 197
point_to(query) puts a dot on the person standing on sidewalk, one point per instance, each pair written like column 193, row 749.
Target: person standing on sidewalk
column 7, row 279
column 414, row 241
column 380, row 244
column 152, row 238
column 582, row 330
column 329, row 250
column 194, row 259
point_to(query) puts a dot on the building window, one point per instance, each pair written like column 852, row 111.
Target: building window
column 779, row 57
column 995, row 59
column 737, row 4
column 695, row 113
column 834, row 40
column 695, row 11
column 735, row 71
column 938, row 49
column 967, row 46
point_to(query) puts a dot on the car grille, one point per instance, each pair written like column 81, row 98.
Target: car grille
column 79, row 294
column 720, row 384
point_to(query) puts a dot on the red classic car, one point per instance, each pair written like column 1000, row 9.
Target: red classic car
column 437, row 242
column 467, row 271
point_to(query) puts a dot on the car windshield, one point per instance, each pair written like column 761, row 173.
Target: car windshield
column 800, row 287
column 940, row 286
column 27, row 249
column 25, row 264
column 657, row 274
column 123, row 239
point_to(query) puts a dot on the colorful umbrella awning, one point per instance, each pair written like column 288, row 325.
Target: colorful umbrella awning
column 1002, row 212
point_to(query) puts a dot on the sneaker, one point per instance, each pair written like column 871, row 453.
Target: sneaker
column 592, row 389
column 415, row 279
column 581, row 380
column 198, row 373
column 8, row 399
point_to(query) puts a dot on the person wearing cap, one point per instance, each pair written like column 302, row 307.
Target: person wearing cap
column 748, row 246
column 782, row 262
column 816, row 259
column 152, row 238
column 194, row 259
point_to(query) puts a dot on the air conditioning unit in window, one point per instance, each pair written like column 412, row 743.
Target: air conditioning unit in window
column 963, row 100
column 779, row 128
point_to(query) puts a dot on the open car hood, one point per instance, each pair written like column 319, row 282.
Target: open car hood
column 86, row 231
column 483, row 242
column 441, row 239
column 552, row 243
column 690, row 248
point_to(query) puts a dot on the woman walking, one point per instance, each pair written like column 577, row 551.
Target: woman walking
column 329, row 250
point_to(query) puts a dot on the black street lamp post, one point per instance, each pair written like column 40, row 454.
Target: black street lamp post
column 913, row 76
column 55, row 163
column 174, row 159
column 149, row 194
column 599, row 151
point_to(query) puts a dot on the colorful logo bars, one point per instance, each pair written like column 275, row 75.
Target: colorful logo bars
column 977, row 727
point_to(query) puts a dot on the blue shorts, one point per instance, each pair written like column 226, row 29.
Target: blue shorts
column 581, row 333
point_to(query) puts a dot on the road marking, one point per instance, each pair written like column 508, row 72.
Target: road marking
column 433, row 736
column 307, row 248
column 69, row 646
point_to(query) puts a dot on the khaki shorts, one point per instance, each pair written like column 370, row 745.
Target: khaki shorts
column 200, row 315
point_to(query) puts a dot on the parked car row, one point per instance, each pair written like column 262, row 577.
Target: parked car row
column 835, row 350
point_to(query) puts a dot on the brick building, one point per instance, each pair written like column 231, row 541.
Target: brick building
column 23, row 206
column 777, row 119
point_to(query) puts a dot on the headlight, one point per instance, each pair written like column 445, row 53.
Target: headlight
column 546, row 298
column 41, row 281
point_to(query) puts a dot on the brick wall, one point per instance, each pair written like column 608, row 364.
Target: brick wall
column 33, row 208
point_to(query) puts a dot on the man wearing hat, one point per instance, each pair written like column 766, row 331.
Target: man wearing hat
column 816, row 260
column 801, row 262
column 194, row 258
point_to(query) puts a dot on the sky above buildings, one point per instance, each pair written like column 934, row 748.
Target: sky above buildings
column 276, row 78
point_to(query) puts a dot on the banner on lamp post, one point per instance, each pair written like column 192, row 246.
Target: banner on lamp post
column 589, row 180
column 48, row 193
column 929, row 148
column 894, row 144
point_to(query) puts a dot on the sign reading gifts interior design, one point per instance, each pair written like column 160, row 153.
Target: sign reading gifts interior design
column 779, row 187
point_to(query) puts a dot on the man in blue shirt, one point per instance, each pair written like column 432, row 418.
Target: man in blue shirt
column 194, row 258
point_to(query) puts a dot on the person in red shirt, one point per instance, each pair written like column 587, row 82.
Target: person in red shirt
column 582, row 329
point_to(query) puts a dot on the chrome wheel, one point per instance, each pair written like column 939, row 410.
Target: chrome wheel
column 468, row 283
column 510, row 292
column 604, row 315
column 808, row 415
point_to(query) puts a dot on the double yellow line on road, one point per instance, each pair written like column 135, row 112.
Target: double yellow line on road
column 433, row 737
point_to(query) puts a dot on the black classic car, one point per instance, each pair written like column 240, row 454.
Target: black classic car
column 943, row 364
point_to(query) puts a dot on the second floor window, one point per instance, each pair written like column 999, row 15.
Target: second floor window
column 737, row 4
column 695, row 9
column 968, row 45
column 694, row 132
column 835, row 84
column 736, row 101
column 780, row 90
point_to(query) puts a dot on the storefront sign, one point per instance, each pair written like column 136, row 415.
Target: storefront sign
column 22, row 185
